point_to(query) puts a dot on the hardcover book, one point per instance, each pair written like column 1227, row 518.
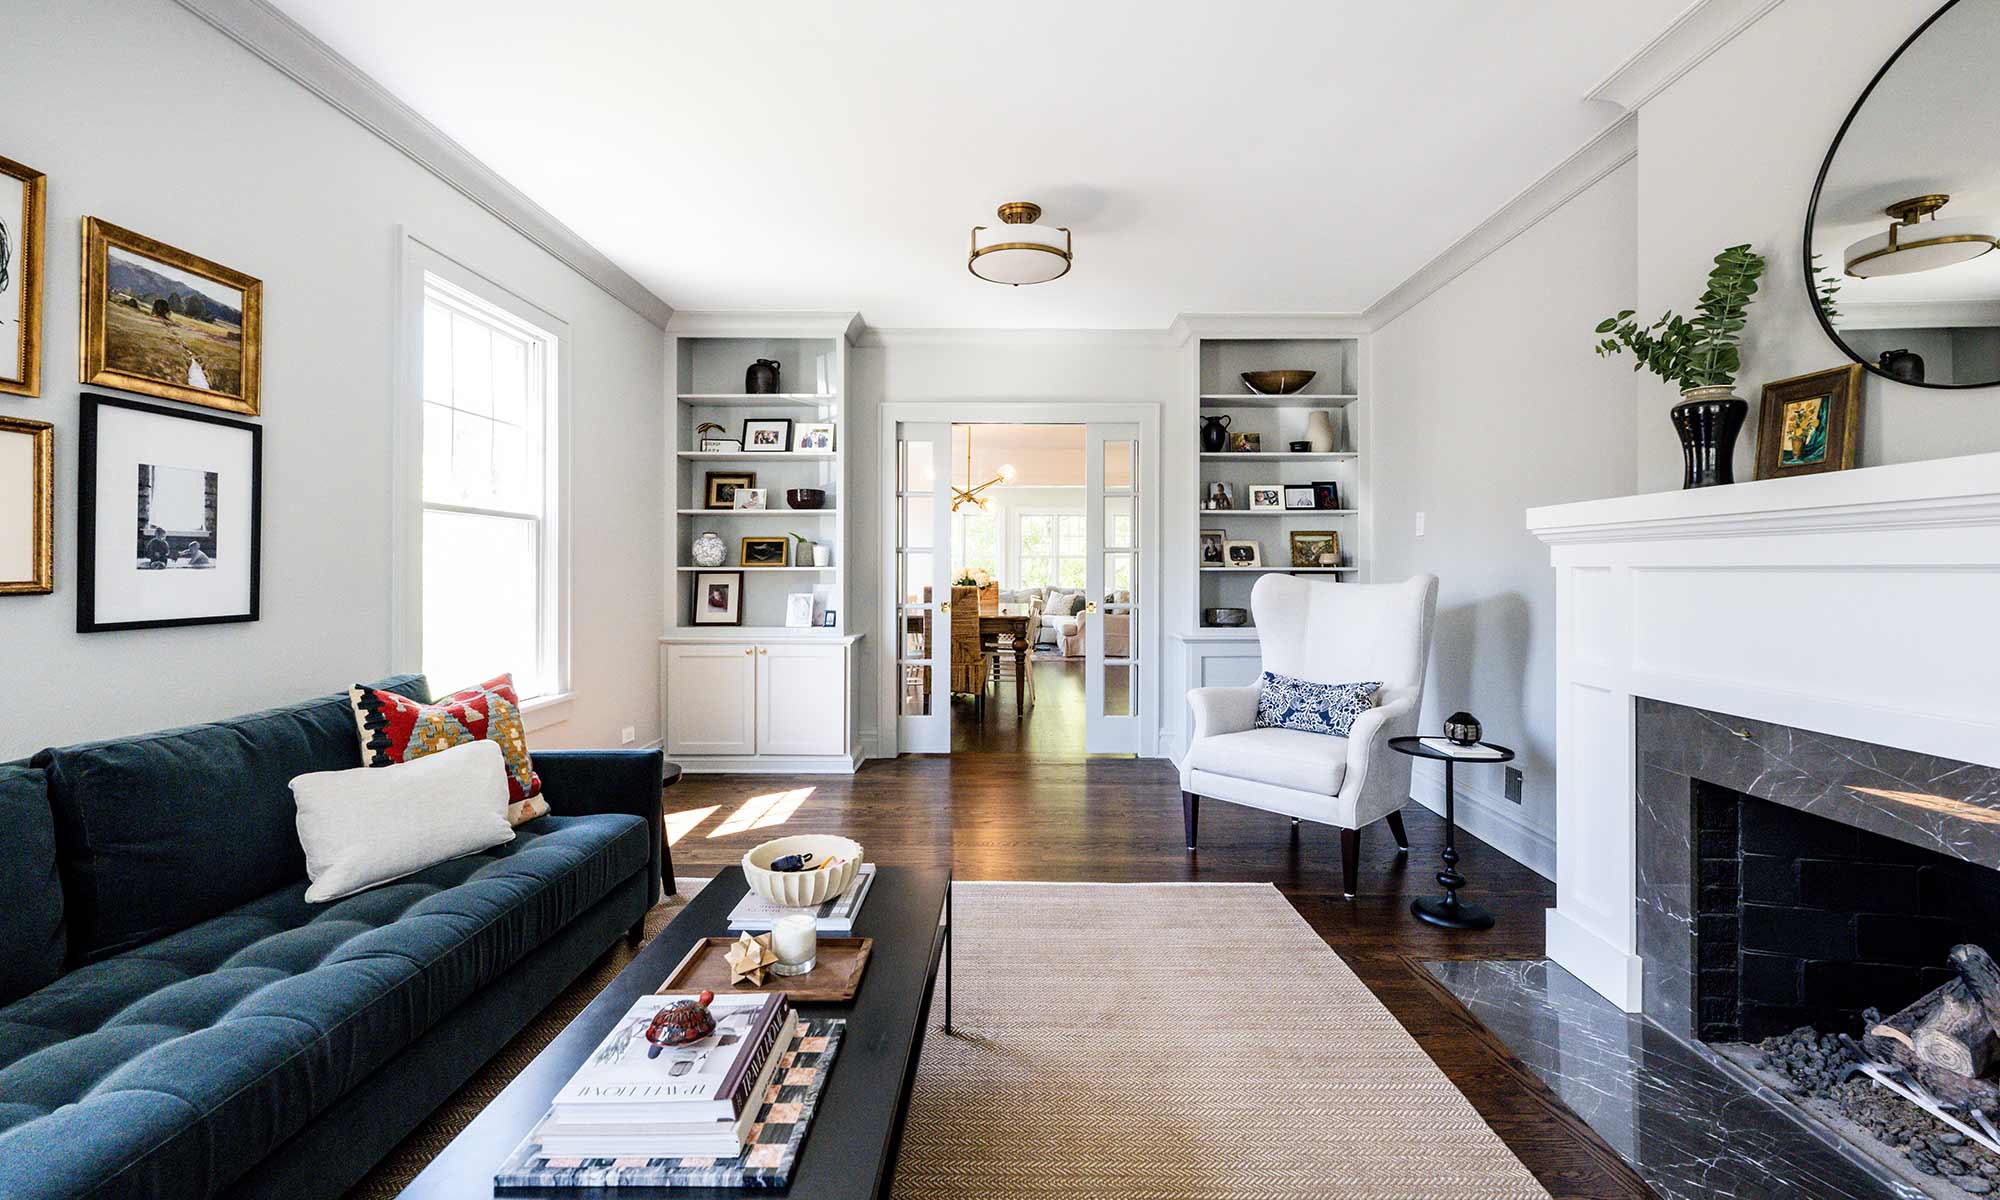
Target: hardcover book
column 836, row 916
column 712, row 1078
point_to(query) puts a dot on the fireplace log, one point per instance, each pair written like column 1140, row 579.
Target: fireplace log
column 1982, row 978
column 1946, row 1027
column 1954, row 1090
column 1902, row 1026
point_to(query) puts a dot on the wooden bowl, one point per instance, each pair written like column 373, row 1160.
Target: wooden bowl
column 1277, row 383
column 802, row 889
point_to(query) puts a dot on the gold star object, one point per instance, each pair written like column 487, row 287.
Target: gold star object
column 749, row 958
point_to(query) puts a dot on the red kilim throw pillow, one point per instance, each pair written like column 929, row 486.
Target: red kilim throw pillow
column 396, row 729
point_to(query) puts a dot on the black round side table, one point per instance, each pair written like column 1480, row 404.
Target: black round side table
column 1447, row 910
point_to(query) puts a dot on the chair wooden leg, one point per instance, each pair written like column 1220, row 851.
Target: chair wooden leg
column 1396, row 828
column 1350, row 860
column 1190, row 815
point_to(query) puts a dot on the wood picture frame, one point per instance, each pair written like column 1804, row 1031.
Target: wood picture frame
column 1308, row 544
column 27, row 507
column 1810, row 424
column 719, row 487
column 716, row 598
column 767, row 435
column 1211, row 547
column 22, row 226
column 163, row 322
column 765, row 551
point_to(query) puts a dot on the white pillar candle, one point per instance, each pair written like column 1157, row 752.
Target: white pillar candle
column 796, row 940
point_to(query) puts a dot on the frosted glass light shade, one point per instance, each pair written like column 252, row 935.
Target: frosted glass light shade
column 1924, row 246
column 1018, row 254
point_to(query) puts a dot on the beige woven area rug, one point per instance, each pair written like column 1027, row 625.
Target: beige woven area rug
column 1111, row 1048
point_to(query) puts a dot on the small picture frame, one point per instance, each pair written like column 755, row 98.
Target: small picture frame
column 799, row 610
column 721, row 446
column 27, row 507
column 721, row 487
column 1246, row 443
column 1326, row 494
column 751, row 498
column 1220, row 496
column 718, row 598
column 1299, row 495
column 812, row 437
column 765, row 552
column 1211, row 547
column 1809, row 424
column 829, row 619
column 767, row 435
column 1315, row 548
column 1266, row 497
column 1243, row 554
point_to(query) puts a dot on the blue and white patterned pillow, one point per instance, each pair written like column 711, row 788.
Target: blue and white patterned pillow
column 1329, row 708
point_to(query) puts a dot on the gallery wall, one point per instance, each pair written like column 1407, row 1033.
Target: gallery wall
column 147, row 117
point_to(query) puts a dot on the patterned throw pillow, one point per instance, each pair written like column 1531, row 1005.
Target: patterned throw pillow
column 396, row 729
column 1329, row 708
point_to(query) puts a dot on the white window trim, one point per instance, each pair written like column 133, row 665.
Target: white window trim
column 420, row 258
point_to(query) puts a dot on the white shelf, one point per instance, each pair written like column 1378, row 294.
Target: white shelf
column 762, row 570
column 1295, row 400
column 756, row 512
column 1275, row 456
column 747, row 400
column 1273, row 512
column 1279, row 570
column 699, row 634
column 766, row 455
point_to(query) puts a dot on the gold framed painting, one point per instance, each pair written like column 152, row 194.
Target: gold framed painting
column 168, row 323
column 1809, row 423
column 765, row 552
column 1315, row 548
column 27, row 507
column 23, row 193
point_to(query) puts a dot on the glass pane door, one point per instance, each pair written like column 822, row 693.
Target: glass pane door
column 1112, row 612
column 923, row 591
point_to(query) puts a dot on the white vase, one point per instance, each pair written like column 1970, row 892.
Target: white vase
column 708, row 550
column 1319, row 432
column 822, row 555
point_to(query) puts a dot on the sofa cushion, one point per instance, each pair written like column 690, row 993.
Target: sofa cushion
column 1306, row 762
column 174, row 1068
column 157, row 832
column 31, row 902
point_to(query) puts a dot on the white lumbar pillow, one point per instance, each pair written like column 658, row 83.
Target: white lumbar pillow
column 370, row 825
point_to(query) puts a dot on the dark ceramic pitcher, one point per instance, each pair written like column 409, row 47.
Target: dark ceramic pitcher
column 762, row 377
column 1214, row 434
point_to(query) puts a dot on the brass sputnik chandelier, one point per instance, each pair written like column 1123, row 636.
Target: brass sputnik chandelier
column 962, row 496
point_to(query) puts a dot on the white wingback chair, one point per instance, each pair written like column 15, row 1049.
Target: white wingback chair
column 1325, row 633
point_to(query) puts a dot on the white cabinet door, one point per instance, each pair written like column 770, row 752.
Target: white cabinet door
column 801, row 699
column 712, row 699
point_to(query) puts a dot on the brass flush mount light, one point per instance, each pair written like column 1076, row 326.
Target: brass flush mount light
column 1020, row 251
column 1918, row 241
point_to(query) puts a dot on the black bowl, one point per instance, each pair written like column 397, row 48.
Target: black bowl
column 1225, row 618
column 805, row 498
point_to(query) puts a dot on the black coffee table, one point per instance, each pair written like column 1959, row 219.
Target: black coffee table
column 850, row 1150
column 1448, row 911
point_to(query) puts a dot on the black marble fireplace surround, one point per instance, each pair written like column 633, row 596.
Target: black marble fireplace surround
column 1787, row 877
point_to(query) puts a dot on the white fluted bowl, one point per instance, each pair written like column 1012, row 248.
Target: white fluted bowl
column 808, row 888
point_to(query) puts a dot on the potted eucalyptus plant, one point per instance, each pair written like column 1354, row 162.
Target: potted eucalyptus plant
column 1700, row 357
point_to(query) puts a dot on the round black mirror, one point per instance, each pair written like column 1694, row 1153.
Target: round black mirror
column 1905, row 218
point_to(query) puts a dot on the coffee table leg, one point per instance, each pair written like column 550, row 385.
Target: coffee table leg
column 950, row 939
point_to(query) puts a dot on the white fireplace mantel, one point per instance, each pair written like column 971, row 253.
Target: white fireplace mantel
column 1864, row 604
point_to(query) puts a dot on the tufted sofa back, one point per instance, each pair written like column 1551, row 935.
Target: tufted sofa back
column 155, row 833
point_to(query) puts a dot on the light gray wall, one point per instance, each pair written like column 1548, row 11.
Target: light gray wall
column 145, row 116
column 1488, row 401
column 1728, row 154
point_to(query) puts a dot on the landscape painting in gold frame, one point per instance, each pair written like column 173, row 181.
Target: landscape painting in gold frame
column 27, row 507
column 167, row 323
column 23, row 193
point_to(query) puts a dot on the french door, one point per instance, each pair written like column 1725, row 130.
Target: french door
column 1112, row 614
column 923, row 587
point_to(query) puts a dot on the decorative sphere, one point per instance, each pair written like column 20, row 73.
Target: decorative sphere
column 708, row 550
column 1463, row 728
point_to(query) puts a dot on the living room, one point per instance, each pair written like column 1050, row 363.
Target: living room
column 559, row 514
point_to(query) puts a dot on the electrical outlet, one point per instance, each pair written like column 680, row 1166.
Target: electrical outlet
column 1514, row 784
column 1420, row 524
column 627, row 736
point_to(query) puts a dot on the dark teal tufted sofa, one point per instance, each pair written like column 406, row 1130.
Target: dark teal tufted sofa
column 176, row 1020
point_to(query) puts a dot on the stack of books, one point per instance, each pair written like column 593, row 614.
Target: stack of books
column 755, row 914
column 634, row 1100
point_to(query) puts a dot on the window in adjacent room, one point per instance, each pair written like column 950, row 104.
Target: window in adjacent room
column 1052, row 550
column 975, row 542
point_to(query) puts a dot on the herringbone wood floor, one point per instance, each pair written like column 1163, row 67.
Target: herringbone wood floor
column 1000, row 816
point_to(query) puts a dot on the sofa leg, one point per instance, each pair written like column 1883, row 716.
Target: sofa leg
column 1396, row 828
column 636, row 934
column 1350, row 860
column 1190, row 815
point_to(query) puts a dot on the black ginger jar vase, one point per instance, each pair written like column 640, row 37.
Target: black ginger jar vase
column 1708, row 420
column 762, row 378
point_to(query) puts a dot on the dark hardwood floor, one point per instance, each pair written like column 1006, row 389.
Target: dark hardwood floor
column 1051, row 728
column 1018, row 817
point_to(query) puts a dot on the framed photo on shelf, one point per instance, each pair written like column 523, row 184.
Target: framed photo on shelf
column 720, row 446
column 767, row 435
column 168, row 323
column 1326, row 494
column 718, row 598
column 1315, row 548
column 168, row 517
column 799, row 610
column 1220, row 496
column 1211, row 547
column 1246, row 443
column 1266, row 497
column 1809, row 423
column 765, row 551
column 812, row 437
column 23, row 193
column 722, row 485
column 27, row 507
column 747, row 498
column 1299, row 495
column 1243, row 554
column 830, row 619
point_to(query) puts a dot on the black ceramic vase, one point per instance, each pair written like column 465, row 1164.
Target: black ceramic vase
column 1214, row 434
column 1708, row 422
column 762, row 378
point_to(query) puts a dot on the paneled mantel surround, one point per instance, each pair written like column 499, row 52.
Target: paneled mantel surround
column 1861, row 604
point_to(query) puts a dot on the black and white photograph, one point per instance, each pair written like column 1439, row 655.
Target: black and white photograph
column 767, row 435
column 22, row 191
column 1243, row 554
column 718, row 598
column 1211, row 547
column 1220, row 496
column 813, row 437
column 168, row 517
column 1298, row 495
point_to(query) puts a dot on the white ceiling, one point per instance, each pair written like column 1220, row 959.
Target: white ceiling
column 1268, row 156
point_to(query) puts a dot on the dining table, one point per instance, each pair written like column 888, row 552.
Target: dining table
column 1016, row 621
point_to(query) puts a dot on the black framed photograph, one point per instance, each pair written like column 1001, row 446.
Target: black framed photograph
column 767, row 435
column 1299, row 495
column 169, row 517
column 718, row 598
column 765, row 551
column 1326, row 494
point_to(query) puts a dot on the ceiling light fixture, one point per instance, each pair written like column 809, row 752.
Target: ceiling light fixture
column 1918, row 241
column 961, row 496
column 1019, row 251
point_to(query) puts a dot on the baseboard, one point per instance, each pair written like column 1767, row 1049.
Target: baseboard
column 757, row 764
column 1604, row 968
column 1492, row 819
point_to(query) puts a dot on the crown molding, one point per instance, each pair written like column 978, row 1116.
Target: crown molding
column 765, row 323
column 873, row 337
column 1702, row 28
column 1599, row 157
column 1223, row 326
column 313, row 65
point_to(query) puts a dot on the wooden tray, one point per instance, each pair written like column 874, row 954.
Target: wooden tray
column 835, row 977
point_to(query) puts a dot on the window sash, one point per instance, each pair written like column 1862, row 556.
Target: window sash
column 1048, row 564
